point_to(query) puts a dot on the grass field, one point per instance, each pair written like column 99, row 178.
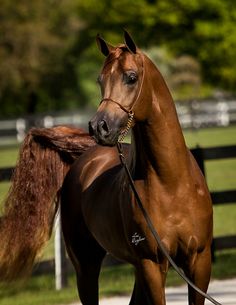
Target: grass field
column 116, row 280
column 119, row 280
column 220, row 174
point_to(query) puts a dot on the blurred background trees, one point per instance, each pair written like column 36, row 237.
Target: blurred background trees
column 49, row 59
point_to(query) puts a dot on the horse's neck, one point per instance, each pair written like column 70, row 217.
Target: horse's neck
column 158, row 142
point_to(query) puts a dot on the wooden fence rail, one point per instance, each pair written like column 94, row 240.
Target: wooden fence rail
column 218, row 197
column 216, row 153
column 5, row 173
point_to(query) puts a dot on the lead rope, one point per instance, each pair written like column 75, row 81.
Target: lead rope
column 153, row 230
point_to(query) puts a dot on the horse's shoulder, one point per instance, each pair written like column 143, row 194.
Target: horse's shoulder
column 93, row 163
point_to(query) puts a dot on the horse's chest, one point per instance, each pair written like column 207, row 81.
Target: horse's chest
column 176, row 231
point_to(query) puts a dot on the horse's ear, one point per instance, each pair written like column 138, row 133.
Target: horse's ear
column 103, row 46
column 129, row 42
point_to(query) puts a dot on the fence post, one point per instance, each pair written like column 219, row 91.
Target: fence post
column 20, row 129
column 60, row 257
column 198, row 155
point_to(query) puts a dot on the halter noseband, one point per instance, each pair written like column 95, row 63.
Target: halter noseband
column 130, row 113
column 111, row 100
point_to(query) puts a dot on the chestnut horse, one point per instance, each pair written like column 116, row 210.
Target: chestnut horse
column 99, row 212
column 98, row 209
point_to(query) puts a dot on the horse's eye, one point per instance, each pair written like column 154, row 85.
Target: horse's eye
column 130, row 78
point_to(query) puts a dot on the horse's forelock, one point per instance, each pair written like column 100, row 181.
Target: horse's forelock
column 116, row 53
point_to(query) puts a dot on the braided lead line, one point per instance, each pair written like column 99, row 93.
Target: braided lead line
column 128, row 126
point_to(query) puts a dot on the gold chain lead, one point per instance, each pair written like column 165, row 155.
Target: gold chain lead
column 128, row 126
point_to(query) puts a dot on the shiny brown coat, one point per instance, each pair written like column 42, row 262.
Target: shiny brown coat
column 99, row 212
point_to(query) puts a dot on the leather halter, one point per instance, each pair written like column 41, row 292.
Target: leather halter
column 129, row 111
column 111, row 100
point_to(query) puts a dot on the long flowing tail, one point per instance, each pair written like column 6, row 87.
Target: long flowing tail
column 31, row 204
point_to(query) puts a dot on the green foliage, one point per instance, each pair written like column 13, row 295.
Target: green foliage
column 48, row 56
column 34, row 40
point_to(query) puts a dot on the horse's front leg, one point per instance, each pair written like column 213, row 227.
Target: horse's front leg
column 199, row 273
column 149, row 286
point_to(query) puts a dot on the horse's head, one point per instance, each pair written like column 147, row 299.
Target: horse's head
column 121, row 81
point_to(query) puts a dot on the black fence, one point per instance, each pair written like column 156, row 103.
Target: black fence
column 218, row 197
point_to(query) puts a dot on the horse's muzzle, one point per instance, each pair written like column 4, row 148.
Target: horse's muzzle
column 102, row 132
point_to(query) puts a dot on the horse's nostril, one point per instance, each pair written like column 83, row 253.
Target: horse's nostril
column 103, row 128
column 103, row 125
column 91, row 129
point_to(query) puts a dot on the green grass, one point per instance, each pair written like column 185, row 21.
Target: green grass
column 220, row 174
column 210, row 137
column 4, row 186
column 8, row 156
column 38, row 290
column 116, row 280
column 224, row 220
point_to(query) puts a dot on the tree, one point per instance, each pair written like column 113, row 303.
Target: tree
column 33, row 42
column 48, row 55
column 203, row 29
